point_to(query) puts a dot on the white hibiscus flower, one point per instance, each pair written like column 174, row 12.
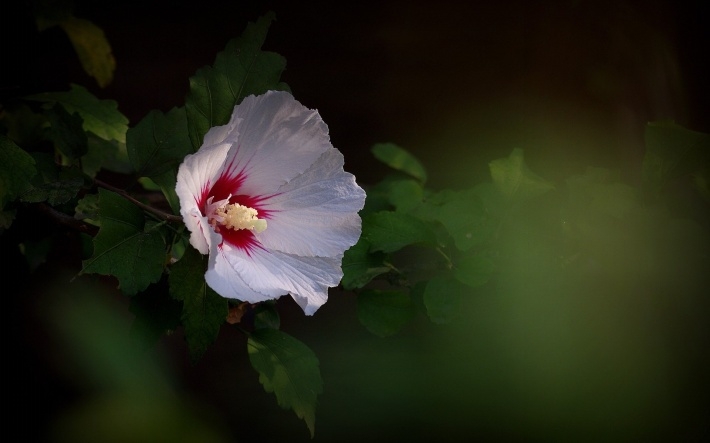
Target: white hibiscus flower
column 267, row 198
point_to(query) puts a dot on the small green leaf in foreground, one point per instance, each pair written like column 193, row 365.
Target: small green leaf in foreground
column 289, row 369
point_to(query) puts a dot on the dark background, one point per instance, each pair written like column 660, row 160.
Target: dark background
column 572, row 82
column 458, row 84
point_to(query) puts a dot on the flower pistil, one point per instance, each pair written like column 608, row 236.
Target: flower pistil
column 233, row 216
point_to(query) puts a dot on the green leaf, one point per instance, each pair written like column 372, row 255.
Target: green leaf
column 396, row 191
column 266, row 316
column 399, row 159
column 390, row 231
column 157, row 146
column 87, row 209
column 673, row 151
column 442, row 298
column 17, row 168
column 596, row 192
column 289, row 369
column 462, row 214
column 360, row 265
column 92, row 47
column 159, row 143
column 36, row 252
column 22, row 125
column 54, row 184
column 6, row 219
column 240, row 70
column 105, row 154
column 474, row 270
column 204, row 311
column 166, row 182
column 514, row 180
column 125, row 247
column 155, row 314
column 384, row 312
column 101, row 117
column 67, row 132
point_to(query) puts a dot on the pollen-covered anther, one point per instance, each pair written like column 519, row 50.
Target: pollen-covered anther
column 236, row 216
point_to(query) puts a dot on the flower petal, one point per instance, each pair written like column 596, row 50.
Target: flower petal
column 227, row 282
column 315, row 214
column 273, row 139
column 273, row 274
column 195, row 173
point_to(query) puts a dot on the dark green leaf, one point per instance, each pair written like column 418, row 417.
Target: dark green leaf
column 159, row 143
column 360, row 265
column 266, row 316
column 442, row 298
column 474, row 270
column 155, row 314
column 6, row 219
column 289, row 369
column 87, row 209
column 240, row 70
column 462, row 214
column 124, row 247
column 405, row 194
column 384, row 312
column 204, row 311
column 166, row 182
column 36, row 252
column 100, row 116
column 514, row 180
column 673, row 151
column 157, row 146
column 67, row 132
column 54, row 184
column 396, row 191
column 597, row 192
column 17, row 168
column 397, row 158
column 391, row 231
column 105, row 154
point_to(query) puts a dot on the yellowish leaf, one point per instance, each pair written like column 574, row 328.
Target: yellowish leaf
column 92, row 47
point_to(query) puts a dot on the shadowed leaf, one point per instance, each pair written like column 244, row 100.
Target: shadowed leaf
column 289, row 369
column 124, row 247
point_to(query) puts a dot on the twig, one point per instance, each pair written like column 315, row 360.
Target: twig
column 163, row 215
column 67, row 220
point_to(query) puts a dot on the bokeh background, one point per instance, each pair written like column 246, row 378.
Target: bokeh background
column 459, row 84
